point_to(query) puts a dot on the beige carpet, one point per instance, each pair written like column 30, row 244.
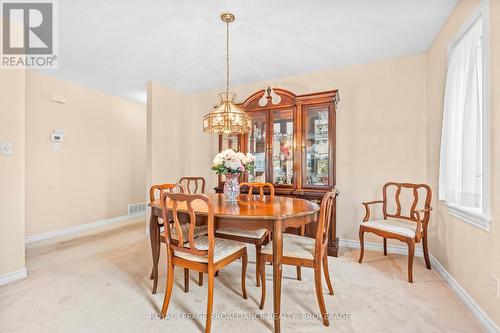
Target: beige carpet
column 98, row 282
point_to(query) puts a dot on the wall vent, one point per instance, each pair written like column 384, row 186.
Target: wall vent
column 137, row 208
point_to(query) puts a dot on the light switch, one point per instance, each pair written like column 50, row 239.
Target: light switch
column 6, row 148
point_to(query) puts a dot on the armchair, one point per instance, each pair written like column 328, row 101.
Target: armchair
column 410, row 229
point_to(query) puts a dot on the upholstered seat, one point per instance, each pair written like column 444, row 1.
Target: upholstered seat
column 294, row 246
column 395, row 226
column 223, row 248
column 257, row 234
column 198, row 231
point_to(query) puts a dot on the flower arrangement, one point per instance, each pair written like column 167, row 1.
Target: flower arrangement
column 231, row 162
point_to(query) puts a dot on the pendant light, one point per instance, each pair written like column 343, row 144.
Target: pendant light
column 227, row 118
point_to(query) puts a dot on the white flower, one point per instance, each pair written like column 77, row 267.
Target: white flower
column 228, row 154
column 218, row 159
column 234, row 164
column 231, row 161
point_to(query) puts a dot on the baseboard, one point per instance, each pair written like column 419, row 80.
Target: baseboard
column 354, row 244
column 80, row 228
column 13, row 276
column 484, row 320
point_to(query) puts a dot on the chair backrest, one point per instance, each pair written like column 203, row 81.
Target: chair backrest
column 193, row 185
column 412, row 192
column 326, row 212
column 171, row 188
column 260, row 186
column 185, row 242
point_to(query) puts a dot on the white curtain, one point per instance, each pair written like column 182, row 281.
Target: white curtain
column 461, row 170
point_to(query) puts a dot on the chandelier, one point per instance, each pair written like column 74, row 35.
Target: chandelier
column 227, row 118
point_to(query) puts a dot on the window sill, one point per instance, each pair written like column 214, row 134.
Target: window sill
column 470, row 216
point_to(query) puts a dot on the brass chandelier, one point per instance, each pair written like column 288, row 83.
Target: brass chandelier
column 227, row 118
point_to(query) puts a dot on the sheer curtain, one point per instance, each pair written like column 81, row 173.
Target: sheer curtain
column 461, row 170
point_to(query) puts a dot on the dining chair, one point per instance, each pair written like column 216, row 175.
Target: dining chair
column 205, row 254
column 256, row 237
column 410, row 229
column 193, row 185
column 306, row 252
column 199, row 230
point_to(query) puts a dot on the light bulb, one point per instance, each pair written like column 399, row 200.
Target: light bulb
column 263, row 100
column 275, row 98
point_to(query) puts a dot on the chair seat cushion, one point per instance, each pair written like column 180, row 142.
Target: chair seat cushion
column 257, row 234
column 223, row 248
column 198, row 231
column 395, row 226
column 294, row 246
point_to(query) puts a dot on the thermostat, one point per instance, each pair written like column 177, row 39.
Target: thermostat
column 57, row 135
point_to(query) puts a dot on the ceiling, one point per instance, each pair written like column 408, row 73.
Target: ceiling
column 116, row 46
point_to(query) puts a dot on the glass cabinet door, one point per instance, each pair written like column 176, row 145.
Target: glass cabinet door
column 282, row 146
column 230, row 141
column 316, row 170
column 257, row 145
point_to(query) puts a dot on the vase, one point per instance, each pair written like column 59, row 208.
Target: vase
column 232, row 187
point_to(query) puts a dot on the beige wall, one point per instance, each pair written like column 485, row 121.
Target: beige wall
column 380, row 129
column 12, row 181
column 167, row 135
column 100, row 168
column 469, row 254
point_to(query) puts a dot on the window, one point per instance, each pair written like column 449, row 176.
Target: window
column 464, row 167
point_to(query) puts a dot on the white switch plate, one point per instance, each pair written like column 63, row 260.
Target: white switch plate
column 6, row 148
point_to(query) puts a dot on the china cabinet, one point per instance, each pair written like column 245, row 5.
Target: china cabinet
column 293, row 139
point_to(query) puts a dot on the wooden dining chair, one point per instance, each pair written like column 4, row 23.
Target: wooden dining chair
column 306, row 252
column 256, row 237
column 199, row 230
column 204, row 254
column 193, row 185
column 410, row 229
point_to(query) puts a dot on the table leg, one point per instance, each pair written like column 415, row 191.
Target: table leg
column 154, row 236
column 277, row 272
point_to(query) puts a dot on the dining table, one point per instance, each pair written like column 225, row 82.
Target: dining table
column 249, row 212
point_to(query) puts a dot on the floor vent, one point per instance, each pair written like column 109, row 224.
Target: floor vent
column 137, row 208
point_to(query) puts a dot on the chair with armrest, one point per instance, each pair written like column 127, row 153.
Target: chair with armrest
column 410, row 229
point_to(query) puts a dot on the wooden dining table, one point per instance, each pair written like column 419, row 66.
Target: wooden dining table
column 249, row 212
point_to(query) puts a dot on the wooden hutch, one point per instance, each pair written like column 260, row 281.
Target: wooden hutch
column 293, row 138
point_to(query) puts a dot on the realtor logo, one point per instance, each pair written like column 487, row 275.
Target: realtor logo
column 28, row 34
